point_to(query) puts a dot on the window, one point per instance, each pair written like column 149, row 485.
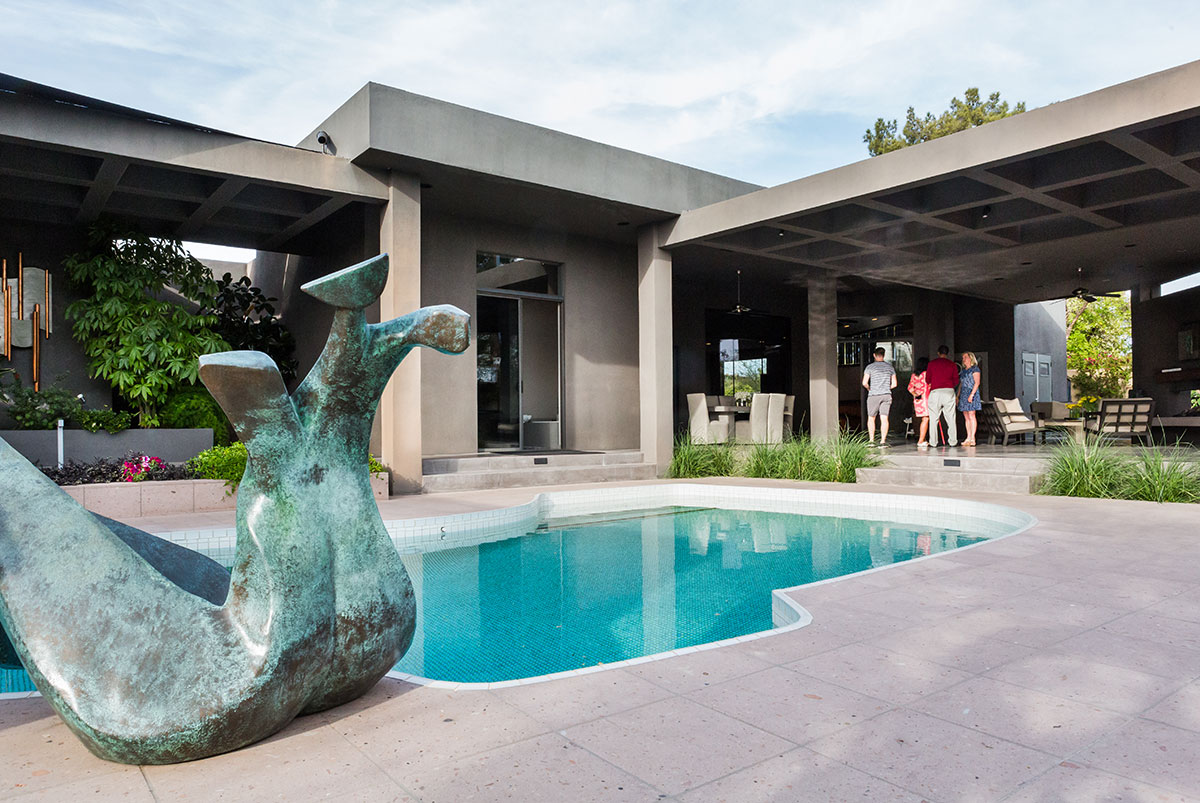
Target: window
column 500, row 272
column 1179, row 285
column 741, row 373
column 849, row 352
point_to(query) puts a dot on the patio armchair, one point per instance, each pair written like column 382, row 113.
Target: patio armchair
column 1006, row 419
column 1124, row 417
column 703, row 427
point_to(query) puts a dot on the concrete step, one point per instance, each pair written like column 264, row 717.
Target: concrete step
column 537, row 475
column 504, row 462
column 1009, row 482
column 964, row 461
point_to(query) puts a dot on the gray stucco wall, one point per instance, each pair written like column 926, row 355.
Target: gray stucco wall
column 1042, row 328
column 986, row 326
column 600, row 363
column 355, row 238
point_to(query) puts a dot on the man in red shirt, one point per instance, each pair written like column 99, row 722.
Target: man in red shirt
column 942, row 376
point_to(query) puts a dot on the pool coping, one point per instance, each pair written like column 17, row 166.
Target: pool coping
column 476, row 527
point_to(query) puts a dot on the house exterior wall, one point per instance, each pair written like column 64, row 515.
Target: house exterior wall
column 600, row 362
column 1156, row 324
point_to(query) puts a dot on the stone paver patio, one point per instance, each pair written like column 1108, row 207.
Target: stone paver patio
column 1061, row 664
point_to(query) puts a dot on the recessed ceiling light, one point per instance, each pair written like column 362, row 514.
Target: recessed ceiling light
column 1130, row 245
column 782, row 233
column 874, row 319
column 1026, row 263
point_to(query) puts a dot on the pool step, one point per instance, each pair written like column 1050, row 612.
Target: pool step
column 1004, row 479
column 471, row 473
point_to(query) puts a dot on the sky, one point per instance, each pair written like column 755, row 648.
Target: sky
column 765, row 92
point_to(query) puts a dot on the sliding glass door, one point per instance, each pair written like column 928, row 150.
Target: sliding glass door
column 519, row 355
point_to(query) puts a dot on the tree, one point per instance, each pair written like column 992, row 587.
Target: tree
column 967, row 113
column 1100, row 346
column 144, row 346
column 246, row 320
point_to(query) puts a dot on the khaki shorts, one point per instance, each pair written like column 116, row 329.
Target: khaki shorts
column 879, row 405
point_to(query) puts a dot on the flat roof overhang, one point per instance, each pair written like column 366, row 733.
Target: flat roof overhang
column 482, row 166
column 1107, row 182
column 66, row 159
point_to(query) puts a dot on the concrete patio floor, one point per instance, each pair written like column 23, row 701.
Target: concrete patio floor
column 1061, row 664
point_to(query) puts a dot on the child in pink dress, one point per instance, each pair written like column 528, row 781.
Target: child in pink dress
column 919, row 389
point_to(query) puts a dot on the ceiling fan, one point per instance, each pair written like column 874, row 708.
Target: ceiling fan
column 739, row 308
column 1086, row 295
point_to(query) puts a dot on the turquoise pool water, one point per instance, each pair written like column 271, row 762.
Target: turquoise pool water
column 578, row 592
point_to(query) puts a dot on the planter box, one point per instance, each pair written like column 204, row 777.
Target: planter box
column 380, row 485
column 40, row 446
column 123, row 500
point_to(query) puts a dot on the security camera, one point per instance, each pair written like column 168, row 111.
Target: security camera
column 325, row 141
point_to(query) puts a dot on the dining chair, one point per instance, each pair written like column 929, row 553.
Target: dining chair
column 703, row 427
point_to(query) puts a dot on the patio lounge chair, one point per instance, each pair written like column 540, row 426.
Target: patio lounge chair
column 705, row 428
column 1005, row 419
column 1125, row 417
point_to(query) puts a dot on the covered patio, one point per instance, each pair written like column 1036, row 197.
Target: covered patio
column 964, row 235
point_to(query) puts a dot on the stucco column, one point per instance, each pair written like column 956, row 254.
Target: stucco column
column 400, row 407
column 822, row 355
column 654, row 348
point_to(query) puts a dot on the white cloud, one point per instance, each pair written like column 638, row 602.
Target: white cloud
column 707, row 82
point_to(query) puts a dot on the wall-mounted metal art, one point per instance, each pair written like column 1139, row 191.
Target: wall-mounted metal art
column 28, row 316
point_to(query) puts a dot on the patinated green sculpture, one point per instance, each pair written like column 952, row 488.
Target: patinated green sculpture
column 152, row 653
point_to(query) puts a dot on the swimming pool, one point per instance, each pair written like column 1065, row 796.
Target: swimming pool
column 577, row 581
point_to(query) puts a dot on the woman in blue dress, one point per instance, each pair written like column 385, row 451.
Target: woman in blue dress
column 968, row 394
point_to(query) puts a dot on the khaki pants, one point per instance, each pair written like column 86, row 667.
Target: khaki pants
column 943, row 402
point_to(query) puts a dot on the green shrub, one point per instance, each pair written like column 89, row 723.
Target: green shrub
column 845, row 454
column 246, row 320
column 194, row 407
column 229, row 463
column 221, row 463
column 700, row 459
column 833, row 460
column 1091, row 468
column 111, row 421
column 1096, row 468
column 32, row 409
column 1163, row 475
column 144, row 346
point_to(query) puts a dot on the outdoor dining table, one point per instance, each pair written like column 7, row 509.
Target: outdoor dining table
column 729, row 412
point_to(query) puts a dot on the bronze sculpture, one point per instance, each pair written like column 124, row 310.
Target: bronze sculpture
column 151, row 653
